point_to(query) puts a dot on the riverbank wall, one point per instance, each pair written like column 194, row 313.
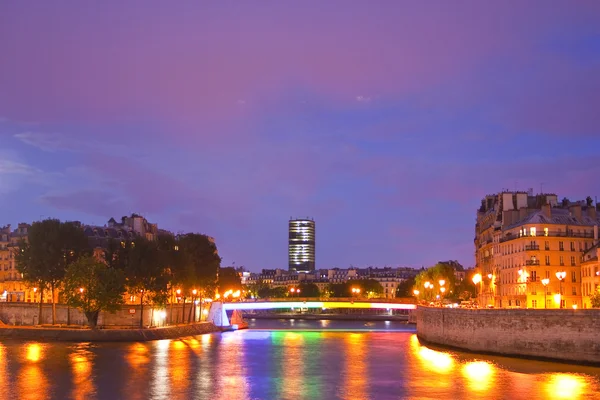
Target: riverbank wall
column 27, row 314
column 563, row 335
column 104, row 335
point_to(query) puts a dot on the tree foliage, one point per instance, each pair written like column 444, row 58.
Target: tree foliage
column 229, row 279
column 92, row 286
column 405, row 288
column 308, row 290
column 434, row 275
column 369, row 288
column 51, row 246
column 595, row 299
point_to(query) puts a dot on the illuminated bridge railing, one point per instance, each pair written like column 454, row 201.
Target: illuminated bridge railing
column 270, row 305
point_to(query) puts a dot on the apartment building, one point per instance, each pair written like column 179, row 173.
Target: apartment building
column 529, row 249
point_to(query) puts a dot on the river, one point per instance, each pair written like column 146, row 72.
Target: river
column 277, row 359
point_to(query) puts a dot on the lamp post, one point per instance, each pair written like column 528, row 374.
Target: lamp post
column 545, row 282
column 476, row 281
column 355, row 291
column 194, row 304
column 416, row 293
column 561, row 275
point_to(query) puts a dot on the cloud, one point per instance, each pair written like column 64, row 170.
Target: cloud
column 55, row 142
column 8, row 167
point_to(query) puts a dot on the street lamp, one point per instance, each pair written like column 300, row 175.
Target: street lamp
column 442, row 282
column 355, row 291
column 561, row 275
column 81, row 290
column 545, row 282
column 477, row 280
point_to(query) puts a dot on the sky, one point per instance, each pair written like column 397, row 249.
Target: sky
column 387, row 122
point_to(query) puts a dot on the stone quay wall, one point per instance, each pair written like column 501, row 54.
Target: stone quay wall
column 18, row 314
column 565, row 335
column 105, row 335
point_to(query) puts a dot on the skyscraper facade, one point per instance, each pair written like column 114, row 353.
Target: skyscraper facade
column 301, row 245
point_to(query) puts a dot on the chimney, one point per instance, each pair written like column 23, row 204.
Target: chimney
column 595, row 234
column 547, row 210
column 592, row 213
column 576, row 211
column 522, row 213
column 507, row 218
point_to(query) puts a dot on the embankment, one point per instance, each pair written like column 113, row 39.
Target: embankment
column 104, row 335
column 336, row 317
column 563, row 335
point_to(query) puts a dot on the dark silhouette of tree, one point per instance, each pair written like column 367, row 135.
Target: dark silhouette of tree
column 92, row 286
column 229, row 279
column 309, row 290
column 405, row 288
column 51, row 246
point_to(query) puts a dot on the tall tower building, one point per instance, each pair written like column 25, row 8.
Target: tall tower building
column 301, row 245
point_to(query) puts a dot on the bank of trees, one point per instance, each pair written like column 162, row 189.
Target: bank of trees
column 429, row 285
column 369, row 288
column 57, row 256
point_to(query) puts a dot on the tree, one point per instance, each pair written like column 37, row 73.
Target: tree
column 405, row 288
column 146, row 274
column 92, row 286
column 229, row 279
column 433, row 276
column 595, row 299
column 43, row 258
column 309, row 290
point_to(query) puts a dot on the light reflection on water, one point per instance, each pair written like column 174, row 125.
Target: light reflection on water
column 282, row 364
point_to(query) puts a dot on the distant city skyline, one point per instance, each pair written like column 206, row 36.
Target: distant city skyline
column 385, row 124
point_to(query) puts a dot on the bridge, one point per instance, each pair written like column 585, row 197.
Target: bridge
column 218, row 310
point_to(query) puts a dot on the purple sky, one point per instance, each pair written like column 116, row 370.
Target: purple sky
column 385, row 121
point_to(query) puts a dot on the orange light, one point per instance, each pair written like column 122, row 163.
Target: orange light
column 442, row 282
column 194, row 292
column 81, row 290
column 476, row 278
column 178, row 291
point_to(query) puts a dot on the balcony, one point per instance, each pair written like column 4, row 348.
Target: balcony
column 589, row 235
column 532, row 247
column 532, row 262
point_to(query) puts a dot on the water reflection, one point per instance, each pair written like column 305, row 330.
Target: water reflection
column 480, row 375
column 355, row 374
column 81, row 361
column 262, row 364
column 565, row 386
column 137, row 356
column 31, row 378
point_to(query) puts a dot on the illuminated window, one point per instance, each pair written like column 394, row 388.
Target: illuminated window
column 545, row 231
column 532, row 231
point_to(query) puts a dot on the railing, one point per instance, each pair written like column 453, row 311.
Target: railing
column 532, row 262
column 532, row 247
column 589, row 235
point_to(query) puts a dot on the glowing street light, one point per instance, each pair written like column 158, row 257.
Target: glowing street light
column 443, row 290
column 442, row 282
column 477, row 280
column 81, row 290
column 545, row 282
column 416, row 292
column 561, row 275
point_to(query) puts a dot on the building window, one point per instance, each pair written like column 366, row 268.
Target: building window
column 546, row 245
column 534, row 303
column 532, row 231
column 563, row 304
column 547, row 274
column 572, row 246
column 572, row 261
column 561, row 246
column 545, row 231
column 562, row 260
column 573, row 276
column 533, row 276
column 574, row 291
column 547, row 260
